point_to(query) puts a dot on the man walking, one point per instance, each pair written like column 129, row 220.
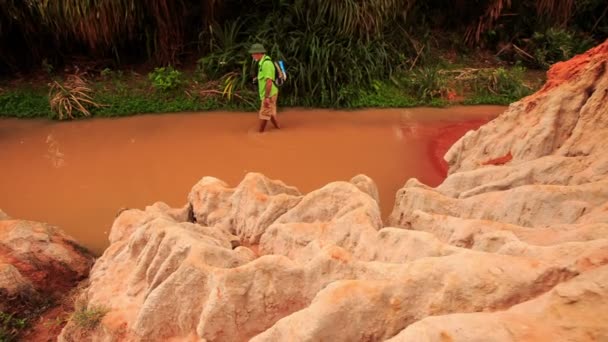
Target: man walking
column 267, row 89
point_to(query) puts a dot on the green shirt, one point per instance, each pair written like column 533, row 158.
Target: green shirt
column 266, row 70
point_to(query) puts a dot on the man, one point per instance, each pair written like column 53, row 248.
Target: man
column 267, row 89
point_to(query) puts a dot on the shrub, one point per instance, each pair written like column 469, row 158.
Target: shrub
column 429, row 84
column 426, row 83
column 89, row 318
column 72, row 97
column 508, row 83
column 498, row 86
column 10, row 327
column 557, row 45
column 165, row 78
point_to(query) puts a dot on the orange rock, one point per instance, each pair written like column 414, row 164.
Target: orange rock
column 500, row 160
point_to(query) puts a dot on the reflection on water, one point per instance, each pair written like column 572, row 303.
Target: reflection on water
column 133, row 162
column 53, row 154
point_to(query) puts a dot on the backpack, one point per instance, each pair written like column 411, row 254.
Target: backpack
column 280, row 75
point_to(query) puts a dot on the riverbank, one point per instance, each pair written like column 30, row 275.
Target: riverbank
column 115, row 93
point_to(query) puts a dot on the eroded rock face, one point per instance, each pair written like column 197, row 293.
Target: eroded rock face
column 367, row 310
column 512, row 246
column 576, row 310
column 567, row 118
column 247, row 210
column 37, row 262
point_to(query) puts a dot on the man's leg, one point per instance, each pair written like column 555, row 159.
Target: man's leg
column 263, row 125
column 274, row 121
column 273, row 111
column 263, row 115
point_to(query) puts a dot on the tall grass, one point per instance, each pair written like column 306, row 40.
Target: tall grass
column 334, row 51
column 497, row 86
column 121, row 31
column 326, row 46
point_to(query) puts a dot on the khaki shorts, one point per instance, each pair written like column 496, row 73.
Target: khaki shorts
column 271, row 110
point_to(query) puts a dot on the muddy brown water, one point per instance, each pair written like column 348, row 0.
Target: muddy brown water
column 77, row 175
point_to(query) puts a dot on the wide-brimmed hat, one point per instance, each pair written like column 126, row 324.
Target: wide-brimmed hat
column 257, row 48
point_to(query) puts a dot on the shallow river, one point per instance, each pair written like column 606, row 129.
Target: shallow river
column 77, row 175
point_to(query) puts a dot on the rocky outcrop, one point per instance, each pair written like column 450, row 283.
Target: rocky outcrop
column 566, row 119
column 206, row 287
column 548, row 202
column 576, row 310
column 364, row 310
column 512, row 246
column 245, row 211
column 38, row 263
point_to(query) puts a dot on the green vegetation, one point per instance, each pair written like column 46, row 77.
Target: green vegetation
column 111, row 95
column 20, row 312
column 89, row 318
column 165, row 79
column 498, row 86
column 344, row 54
column 11, row 327
column 24, row 103
column 557, row 45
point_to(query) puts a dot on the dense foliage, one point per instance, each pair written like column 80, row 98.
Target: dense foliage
column 334, row 50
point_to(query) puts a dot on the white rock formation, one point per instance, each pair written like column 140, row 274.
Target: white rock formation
column 573, row 311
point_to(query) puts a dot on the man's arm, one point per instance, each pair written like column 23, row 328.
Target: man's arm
column 268, row 87
column 268, row 72
column 268, row 91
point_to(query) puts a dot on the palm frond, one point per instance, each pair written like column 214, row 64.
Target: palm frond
column 72, row 98
column 560, row 11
